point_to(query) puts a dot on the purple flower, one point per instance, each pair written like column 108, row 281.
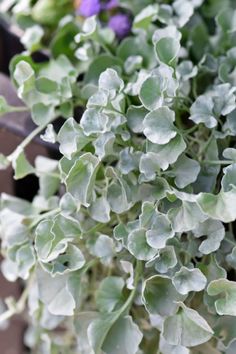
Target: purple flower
column 120, row 24
column 89, row 8
column 111, row 4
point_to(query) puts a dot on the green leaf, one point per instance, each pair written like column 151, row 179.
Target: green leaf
column 185, row 171
column 32, row 38
column 214, row 232
column 158, row 126
column 220, row 207
column 186, row 328
column 45, row 85
column 93, row 121
column 186, row 217
column 21, row 165
column 81, row 178
column 71, row 138
column 167, row 49
column 100, row 210
column 42, row 114
column 138, row 246
column 4, row 106
column 226, row 305
column 229, row 179
column 145, row 17
column 152, row 92
column 114, row 337
column 109, row 294
column 54, row 293
column 160, row 296
column 186, row 280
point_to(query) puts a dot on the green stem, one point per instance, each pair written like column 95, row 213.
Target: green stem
column 29, row 138
column 18, row 109
column 217, row 162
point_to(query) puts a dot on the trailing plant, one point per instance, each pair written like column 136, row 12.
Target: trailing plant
column 129, row 246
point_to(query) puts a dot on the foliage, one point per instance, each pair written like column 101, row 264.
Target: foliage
column 129, row 245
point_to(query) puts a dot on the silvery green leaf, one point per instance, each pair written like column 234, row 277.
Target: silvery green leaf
column 25, row 260
column 224, row 99
column 129, row 161
column 160, row 296
column 152, row 92
column 23, row 73
column 104, row 248
column 133, row 63
column 214, row 231
column 68, row 204
column 158, row 126
column 166, row 259
column 184, row 10
column 109, row 294
column 164, row 155
column 186, row 217
column 110, row 80
column 231, row 258
column 226, row 20
column 54, row 293
column 185, row 171
column 99, row 99
column 145, row 17
column 113, row 335
column 135, row 117
column 46, row 170
column 160, row 231
column 187, row 328
column 186, row 280
column 93, row 121
column 230, row 154
column 220, row 206
column 168, row 74
column 167, row 49
column 104, row 145
column 185, row 70
column 32, row 38
column 81, row 323
column 230, row 125
column 9, row 270
column 45, row 85
column 100, row 210
column 138, row 246
column 229, row 179
column 71, row 138
column 81, row 178
column 118, row 193
column 89, row 30
column 71, row 260
column 167, row 348
column 21, row 165
column 49, row 135
column 129, row 269
column 202, row 111
column 226, row 291
column 4, row 162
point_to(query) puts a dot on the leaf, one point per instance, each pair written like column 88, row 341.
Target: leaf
column 215, row 233
column 21, row 165
column 186, row 280
column 160, row 231
column 109, row 294
column 186, row 328
column 162, row 155
column 54, row 293
column 202, row 111
column 226, row 305
column 47, row 170
column 4, row 106
column 165, row 260
column 71, row 260
column 104, row 145
column 138, row 246
column 93, row 121
column 159, row 295
column 104, row 248
column 81, row 178
column 71, row 138
column 42, row 114
column 110, row 80
column 114, row 336
column 186, row 217
column 158, row 126
column 152, row 92
column 45, row 85
column 229, row 179
column 135, row 117
column 100, row 210
column 145, row 17
column 185, row 171
column 220, row 207
column 167, row 49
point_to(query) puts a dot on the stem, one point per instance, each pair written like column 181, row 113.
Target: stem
column 218, row 162
column 20, row 305
column 29, row 138
column 18, row 109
